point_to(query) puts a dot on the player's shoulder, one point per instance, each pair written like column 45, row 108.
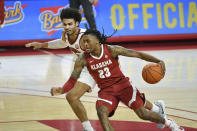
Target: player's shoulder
column 116, row 48
column 110, row 47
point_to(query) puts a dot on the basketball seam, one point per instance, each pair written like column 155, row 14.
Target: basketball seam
column 155, row 71
column 152, row 75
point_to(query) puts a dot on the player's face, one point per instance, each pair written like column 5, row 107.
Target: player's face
column 70, row 26
column 90, row 42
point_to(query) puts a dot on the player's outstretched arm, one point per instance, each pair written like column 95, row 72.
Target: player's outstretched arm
column 58, row 43
column 37, row 45
column 54, row 44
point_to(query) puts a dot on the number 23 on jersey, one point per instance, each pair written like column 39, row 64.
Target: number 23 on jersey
column 104, row 73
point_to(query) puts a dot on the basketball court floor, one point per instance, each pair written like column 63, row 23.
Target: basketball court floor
column 26, row 104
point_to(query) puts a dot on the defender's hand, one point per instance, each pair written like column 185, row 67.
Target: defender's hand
column 35, row 45
column 55, row 91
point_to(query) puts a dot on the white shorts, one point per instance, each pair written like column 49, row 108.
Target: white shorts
column 85, row 76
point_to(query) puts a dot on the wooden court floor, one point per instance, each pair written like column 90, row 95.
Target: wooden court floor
column 26, row 104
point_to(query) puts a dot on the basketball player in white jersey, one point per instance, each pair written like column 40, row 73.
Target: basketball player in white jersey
column 72, row 37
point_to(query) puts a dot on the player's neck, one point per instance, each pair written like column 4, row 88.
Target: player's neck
column 72, row 37
column 97, row 51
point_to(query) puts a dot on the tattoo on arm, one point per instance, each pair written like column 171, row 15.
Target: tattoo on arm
column 118, row 50
column 79, row 65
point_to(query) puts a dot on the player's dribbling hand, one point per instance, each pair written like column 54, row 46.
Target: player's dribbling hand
column 163, row 67
column 56, row 91
column 35, row 45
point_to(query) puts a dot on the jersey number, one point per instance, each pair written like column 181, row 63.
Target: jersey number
column 104, row 73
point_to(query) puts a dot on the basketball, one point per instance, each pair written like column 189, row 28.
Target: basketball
column 152, row 73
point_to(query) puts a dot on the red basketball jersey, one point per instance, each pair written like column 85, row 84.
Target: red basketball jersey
column 104, row 69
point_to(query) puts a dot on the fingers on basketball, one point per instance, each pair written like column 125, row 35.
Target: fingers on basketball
column 52, row 94
column 152, row 73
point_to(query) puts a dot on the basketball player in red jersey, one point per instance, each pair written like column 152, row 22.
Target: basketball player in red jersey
column 2, row 15
column 102, row 63
column 71, row 38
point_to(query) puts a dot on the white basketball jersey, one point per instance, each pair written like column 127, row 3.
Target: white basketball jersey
column 76, row 46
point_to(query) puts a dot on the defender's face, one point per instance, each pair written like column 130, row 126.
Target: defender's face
column 90, row 42
column 70, row 26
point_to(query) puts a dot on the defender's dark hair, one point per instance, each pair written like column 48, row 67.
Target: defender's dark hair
column 70, row 13
column 101, row 37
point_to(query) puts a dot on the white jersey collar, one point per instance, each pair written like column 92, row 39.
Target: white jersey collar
column 102, row 50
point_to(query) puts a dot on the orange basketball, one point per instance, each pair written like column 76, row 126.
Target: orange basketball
column 152, row 73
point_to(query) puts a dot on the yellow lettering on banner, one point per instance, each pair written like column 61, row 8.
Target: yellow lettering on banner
column 166, row 14
column 55, row 20
column 15, row 14
column 132, row 16
column 192, row 16
column 47, row 20
column 121, row 16
column 159, row 17
column 181, row 15
column 191, row 67
column 146, row 15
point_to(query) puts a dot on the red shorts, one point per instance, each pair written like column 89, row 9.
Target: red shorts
column 121, row 91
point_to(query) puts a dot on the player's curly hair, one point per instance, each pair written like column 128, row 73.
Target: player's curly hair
column 101, row 37
column 70, row 13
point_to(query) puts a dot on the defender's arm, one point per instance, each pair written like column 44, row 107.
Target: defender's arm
column 54, row 44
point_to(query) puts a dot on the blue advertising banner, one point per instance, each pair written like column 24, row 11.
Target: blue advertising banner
column 39, row 19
